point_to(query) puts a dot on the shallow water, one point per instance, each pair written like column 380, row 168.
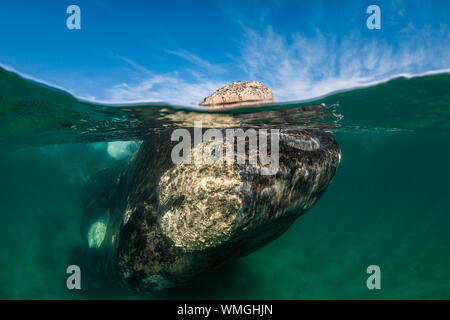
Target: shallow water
column 387, row 204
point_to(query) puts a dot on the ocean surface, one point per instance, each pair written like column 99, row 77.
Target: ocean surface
column 388, row 204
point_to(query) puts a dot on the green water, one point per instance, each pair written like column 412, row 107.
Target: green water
column 387, row 205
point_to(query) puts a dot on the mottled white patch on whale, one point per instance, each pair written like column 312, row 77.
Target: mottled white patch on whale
column 96, row 234
column 200, row 203
column 97, row 231
column 122, row 149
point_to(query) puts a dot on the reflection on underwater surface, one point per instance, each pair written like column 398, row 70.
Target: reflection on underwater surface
column 32, row 114
column 386, row 205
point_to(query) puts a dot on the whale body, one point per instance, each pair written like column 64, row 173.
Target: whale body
column 151, row 224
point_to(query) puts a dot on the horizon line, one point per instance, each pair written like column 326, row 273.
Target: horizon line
column 115, row 103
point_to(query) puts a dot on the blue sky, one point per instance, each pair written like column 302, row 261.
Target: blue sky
column 180, row 51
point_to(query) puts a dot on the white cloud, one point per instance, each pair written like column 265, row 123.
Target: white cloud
column 302, row 68
column 167, row 88
column 205, row 66
column 295, row 67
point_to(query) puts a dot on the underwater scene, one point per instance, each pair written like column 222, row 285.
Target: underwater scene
column 386, row 205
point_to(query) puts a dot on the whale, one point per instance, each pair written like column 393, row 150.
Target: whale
column 150, row 224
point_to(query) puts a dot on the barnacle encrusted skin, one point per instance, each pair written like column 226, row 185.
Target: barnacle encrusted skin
column 200, row 202
column 239, row 92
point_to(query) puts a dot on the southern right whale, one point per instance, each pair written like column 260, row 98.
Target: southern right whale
column 150, row 224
